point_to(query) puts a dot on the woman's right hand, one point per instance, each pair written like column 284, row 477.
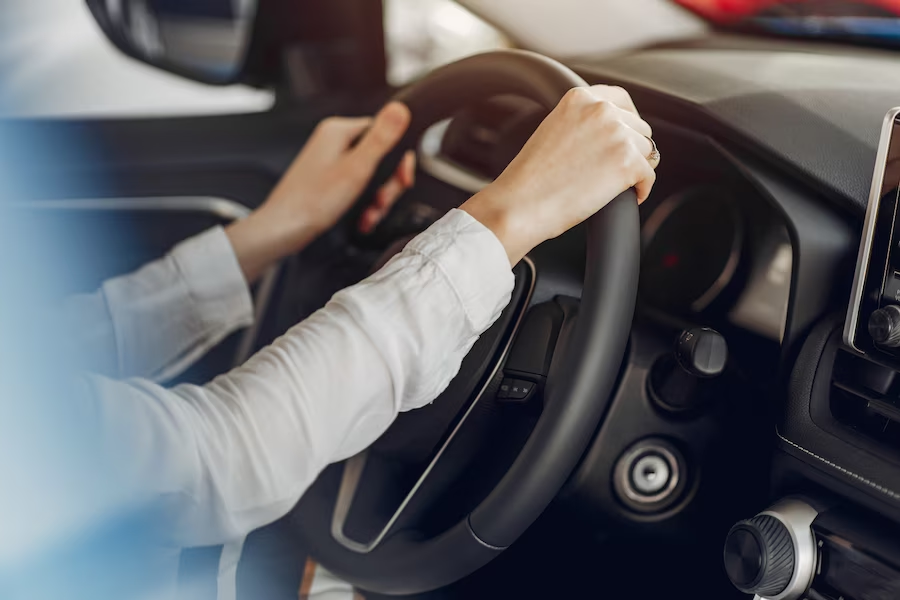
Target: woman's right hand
column 592, row 147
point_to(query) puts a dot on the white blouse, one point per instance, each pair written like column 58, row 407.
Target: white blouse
column 237, row 453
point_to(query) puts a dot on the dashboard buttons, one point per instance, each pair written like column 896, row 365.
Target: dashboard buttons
column 515, row 389
column 884, row 326
column 773, row 554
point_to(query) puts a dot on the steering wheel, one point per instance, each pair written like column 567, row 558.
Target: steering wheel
column 577, row 390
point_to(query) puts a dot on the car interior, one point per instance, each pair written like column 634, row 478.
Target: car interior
column 697, row 397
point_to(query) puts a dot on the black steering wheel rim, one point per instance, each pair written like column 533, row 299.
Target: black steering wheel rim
column 576, row 396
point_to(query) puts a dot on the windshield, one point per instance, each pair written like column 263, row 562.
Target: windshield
column 873, row 21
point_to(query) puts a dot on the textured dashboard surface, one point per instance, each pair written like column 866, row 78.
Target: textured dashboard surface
column 818, row 113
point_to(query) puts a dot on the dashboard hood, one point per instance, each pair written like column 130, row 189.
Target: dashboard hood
column 566, row 29
column 815, row 110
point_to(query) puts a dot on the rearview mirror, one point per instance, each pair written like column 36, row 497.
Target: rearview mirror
column 205, row 40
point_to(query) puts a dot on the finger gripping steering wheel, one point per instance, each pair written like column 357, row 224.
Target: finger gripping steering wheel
column 576, row 395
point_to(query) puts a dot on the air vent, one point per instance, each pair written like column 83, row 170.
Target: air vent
column 866, row 397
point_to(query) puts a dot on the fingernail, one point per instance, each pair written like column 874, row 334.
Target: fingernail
column 395, row 115
column 365, row 225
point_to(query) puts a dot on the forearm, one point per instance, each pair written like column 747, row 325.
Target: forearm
column 156, row 321
column 254, row 439
column 264, row 238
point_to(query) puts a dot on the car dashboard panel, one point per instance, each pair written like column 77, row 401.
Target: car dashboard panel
column 712, row 249
column 737, row 238
column 708, row 251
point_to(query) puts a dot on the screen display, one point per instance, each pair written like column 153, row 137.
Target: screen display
column 877, row 281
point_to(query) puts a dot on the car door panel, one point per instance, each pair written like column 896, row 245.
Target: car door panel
column 136, row 187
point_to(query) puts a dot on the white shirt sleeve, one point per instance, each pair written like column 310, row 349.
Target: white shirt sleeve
column 157, row 321
column 239, row 452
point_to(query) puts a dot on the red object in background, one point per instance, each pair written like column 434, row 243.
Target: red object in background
column 670, row 261
column 727, row 11
column 731, row 11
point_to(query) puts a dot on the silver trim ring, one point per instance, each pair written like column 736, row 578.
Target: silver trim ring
column 797, row 517
column 625, row 465
column 354, row 466
column 431, row 161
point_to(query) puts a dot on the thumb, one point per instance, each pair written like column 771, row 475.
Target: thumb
column 387, row 129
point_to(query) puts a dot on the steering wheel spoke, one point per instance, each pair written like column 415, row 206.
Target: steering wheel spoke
column 433, row 436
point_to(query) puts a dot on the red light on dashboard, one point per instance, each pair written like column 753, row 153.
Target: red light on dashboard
column 670, row 261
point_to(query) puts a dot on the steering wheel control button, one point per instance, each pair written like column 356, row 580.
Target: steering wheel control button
column 702, row 352
column 773, row 555
column 884, row 326
column 515, row 390
column 650, row 476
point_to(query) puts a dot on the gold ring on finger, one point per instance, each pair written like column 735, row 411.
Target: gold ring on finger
column 654, row 156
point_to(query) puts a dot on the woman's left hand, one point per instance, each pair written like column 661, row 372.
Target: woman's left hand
column 321, row 185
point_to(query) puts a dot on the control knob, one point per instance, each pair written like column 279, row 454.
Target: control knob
column 884, row 326
column 686, row 379
column 773, row 554
column 702, row 352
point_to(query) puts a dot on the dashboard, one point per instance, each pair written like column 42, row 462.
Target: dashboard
column 712, row 251
column 752, row 231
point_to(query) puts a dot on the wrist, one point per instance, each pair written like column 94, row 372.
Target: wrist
column 506, row 223
column 264, row 238
column 285, row 232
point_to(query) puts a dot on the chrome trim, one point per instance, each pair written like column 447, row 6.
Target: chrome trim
column 624, row 467
column 222, row 208
column 354, row 467
column 641, row 482
column 350, row 478
column 479, row 540
column 227, row 210
column 797, row 517
column 431, row 161
column 265, row 289
column 865, row 246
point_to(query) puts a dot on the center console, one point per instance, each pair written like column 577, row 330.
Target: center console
column 804, row 548
column 840, row 435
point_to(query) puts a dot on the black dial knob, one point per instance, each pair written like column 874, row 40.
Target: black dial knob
column 702, row 352
column 759, row 556
column 884, row 326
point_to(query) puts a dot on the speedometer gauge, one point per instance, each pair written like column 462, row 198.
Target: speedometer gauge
column 692, row 249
